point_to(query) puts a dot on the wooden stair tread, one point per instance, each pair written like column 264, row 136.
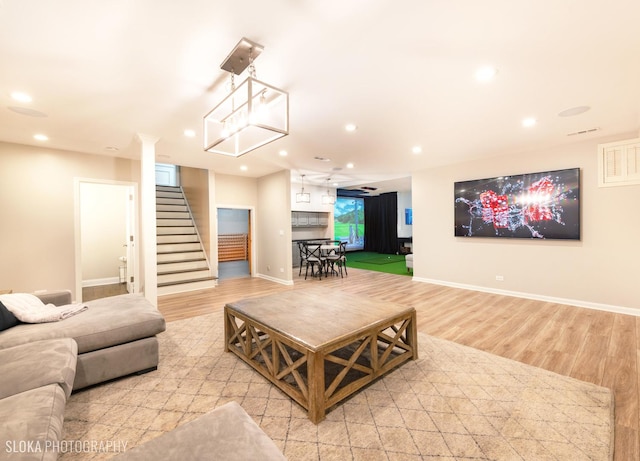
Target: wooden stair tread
column 181, row 282
column 182, row 261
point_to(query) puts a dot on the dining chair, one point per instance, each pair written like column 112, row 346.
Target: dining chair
column 303, row 256
column 313, row 258
column 331, row 254
column 337, row 257
column 342, row 260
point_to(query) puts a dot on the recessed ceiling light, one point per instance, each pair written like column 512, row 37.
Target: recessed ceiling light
column 322, row 159
column 350, row 127
column 486, row 74
column 335, row 184
column 243, row 167
column 283, row 153
column 416, row 149
column 190, row 133
column 573, row 111
column 40, row 137
column 111, row 148
column 529, row 122
column 20, row 96
column 349, row 165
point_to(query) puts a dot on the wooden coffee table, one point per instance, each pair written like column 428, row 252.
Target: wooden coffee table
column 320, row 346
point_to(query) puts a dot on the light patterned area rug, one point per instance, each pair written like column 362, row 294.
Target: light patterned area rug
column 454, row 403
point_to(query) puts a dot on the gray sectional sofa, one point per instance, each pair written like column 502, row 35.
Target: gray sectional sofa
column 40, row 364
column 116, row 336
column 35, row 382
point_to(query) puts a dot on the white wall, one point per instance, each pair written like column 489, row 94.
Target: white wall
column 227, row 191
column 37, row 235
column 233, row 221
column 600, row 270
column 274, row 221
column 315, row 192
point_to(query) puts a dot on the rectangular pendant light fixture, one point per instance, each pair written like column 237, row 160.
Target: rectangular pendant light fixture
column 252, row 115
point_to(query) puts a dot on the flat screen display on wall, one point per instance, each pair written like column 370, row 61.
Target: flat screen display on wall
column 408, row 216
column 348, row 215
column 543, row 205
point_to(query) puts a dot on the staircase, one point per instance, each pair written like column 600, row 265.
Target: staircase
column 182, row 264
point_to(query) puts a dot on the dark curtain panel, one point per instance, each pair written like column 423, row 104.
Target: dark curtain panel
column 381, row 223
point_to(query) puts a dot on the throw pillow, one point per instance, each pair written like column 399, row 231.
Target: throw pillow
column 7, row 319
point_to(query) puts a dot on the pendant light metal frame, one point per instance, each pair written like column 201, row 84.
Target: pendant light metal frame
column 302, row 196
column 252, row 115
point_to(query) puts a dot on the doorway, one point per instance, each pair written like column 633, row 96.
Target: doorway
column 167, row 175
column 105, row 243
column 234, row 243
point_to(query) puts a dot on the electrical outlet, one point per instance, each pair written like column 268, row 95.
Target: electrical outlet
column 268, row 268
column 500, row 278
column 282, row 269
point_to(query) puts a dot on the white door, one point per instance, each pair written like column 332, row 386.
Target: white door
column 106, row 230
column 167, row 175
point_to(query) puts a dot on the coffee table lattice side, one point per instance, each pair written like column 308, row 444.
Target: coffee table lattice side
column 319, row 379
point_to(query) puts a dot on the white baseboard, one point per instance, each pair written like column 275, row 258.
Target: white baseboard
column 517, row 294
column 273, row 279
column 100, row 282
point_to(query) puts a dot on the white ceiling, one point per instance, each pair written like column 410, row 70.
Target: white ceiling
column 402, row 71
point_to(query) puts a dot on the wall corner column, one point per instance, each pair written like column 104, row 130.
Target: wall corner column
column 148, row 238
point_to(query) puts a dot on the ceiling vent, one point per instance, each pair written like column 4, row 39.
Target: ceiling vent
column 581, row 132
column 352, row 193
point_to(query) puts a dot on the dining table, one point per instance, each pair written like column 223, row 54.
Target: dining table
column 323, row 251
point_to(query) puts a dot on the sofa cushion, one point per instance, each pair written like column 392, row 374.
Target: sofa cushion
column 227, row 432
column 58, row 297
column 7, row 319
column 106, row 322
column 112, row 362
column 30, row 422
column 38, row 364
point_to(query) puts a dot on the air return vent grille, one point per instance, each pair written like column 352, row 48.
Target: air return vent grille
column 619, row 163
column 581, row 132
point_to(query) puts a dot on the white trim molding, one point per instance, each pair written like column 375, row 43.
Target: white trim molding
column 100, row 282
column 552, row 299
column 273, row 279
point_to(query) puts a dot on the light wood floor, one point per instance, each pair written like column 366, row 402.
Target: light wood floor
column 595, row 346
column 103, row 291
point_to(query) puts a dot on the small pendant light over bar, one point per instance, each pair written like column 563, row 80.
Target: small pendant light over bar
column 252, row 115
column 302, row 196
column 328, row 199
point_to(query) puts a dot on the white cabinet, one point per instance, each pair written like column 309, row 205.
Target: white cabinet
column 309, row 219
column 619, row 163
column 303, row 219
